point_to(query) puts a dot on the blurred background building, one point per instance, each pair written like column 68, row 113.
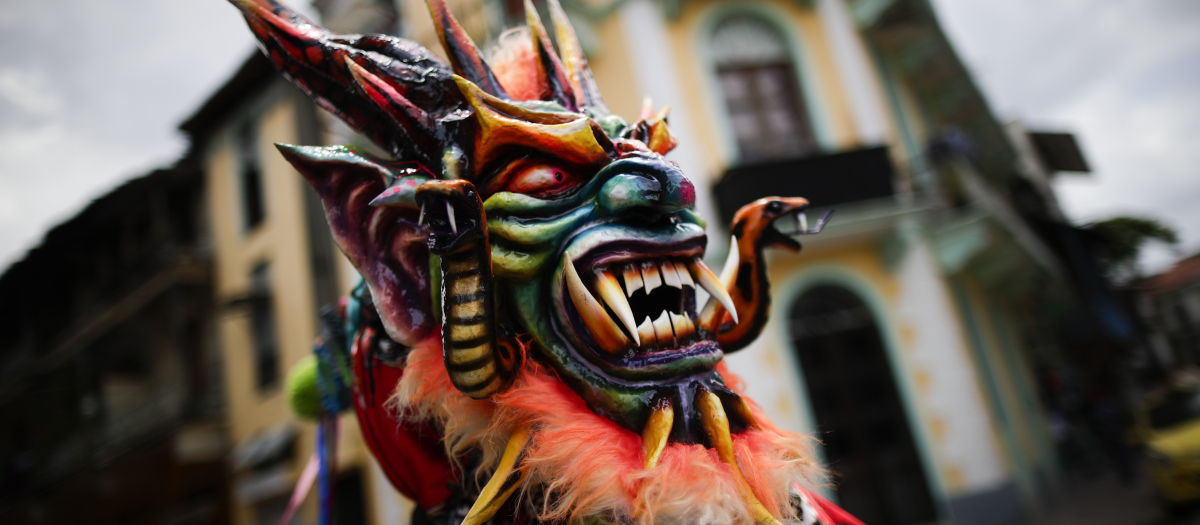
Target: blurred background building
column 111, row 395
column 946, row 337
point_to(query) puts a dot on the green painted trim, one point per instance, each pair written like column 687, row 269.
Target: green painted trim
column 916, row 157
column 805, row 74
column 994, row 396
column 866, row 12
column 1031, row 408
column 810, row 277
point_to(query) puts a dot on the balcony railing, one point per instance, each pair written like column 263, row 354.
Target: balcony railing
column 825, row 180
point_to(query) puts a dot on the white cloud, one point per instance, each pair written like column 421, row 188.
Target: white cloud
column 94, row 96
column 1123, row 75
column 30, row 91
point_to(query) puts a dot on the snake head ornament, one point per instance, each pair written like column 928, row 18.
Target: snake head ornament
column 522, row 242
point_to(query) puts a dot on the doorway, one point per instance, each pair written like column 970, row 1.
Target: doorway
column 860, row 419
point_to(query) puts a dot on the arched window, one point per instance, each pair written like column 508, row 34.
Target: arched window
column 758, row 81
column 858, row 410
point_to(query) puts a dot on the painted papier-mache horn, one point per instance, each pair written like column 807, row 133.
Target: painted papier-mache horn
column 527, row 345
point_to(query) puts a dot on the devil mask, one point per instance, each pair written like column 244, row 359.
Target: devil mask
column 521, row 233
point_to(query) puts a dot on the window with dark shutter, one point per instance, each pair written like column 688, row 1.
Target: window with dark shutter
column 758, row 81
column 250, row 176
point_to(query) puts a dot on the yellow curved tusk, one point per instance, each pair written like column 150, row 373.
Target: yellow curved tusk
column 716, row 425
column 654, row 436
column 504, row 481
column 743, row 409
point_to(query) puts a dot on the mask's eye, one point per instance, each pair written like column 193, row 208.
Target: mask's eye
column 542, row 181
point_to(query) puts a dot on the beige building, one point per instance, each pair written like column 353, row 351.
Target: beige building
column 907, row 334
column 275, row 266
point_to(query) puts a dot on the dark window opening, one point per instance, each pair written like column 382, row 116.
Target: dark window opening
column 349, row 503
column 758, row 82
column 250, row 174
column 262, row 325
column 858, row 411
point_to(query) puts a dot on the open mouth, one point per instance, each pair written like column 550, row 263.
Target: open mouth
column 795, row 222
column 641, row 307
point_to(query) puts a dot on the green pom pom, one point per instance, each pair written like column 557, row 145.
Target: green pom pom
column 301, row 389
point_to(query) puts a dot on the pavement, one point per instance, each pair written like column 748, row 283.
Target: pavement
column 1105, row 500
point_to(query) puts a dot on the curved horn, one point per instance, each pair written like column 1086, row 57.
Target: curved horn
column 587, row 94
column 319, row 63
column 388, row 98
column 549, row 68
column 464, row 55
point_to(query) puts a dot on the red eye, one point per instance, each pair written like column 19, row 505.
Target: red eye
column 541, row 180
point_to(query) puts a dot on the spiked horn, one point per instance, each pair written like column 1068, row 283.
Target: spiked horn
column 387, row 97
column 316, row 60
column 550, row 69
column 587, row 94
column 577, row 139
column 465, row 57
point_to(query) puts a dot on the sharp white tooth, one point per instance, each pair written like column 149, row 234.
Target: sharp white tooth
column 650, row 276
column 599, row 324
column 646, row 333
column 662, row 330
column 450, row 213
column 610, row 290
column 421, row 217
column 691, row 326
column 682, row 325
column 684, row 275
column 669, row 277
column 707, row 280
column 729, row 271
column 803, row 221
column 633, row 278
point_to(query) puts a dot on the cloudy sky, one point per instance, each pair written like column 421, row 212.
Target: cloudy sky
column 91, row 93
column 1124, row 75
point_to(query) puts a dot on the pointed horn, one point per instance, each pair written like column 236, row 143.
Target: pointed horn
column 716, row 425
column 587, row 94
column 549, row 67
column 420, row 126
column 503, row 125
column 464, row 55
column 647, row 108
column 506, row 479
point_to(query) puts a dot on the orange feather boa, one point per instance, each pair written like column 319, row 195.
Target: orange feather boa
column 594, row 466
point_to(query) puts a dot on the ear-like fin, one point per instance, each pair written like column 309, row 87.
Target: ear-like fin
column 465, row 57
column 587, row 94
column 316, row 61
column 549, row 67
column 391, row 254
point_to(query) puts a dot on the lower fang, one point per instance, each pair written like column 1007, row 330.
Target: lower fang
column 662, row 330
column 683, row 326
column 646, row 333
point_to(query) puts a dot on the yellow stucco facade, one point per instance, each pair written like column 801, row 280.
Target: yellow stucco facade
column 279, row 241
column 955, row 352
